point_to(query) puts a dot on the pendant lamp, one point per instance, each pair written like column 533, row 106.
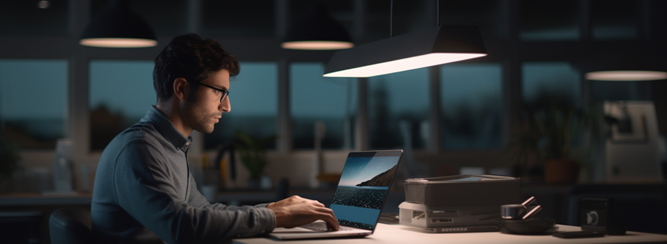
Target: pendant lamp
column 626, row 75
column 638, row 68
column 118, row 27
column 317, row 31
column 435, row 46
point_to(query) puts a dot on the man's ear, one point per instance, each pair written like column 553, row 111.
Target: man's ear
column 181, row 88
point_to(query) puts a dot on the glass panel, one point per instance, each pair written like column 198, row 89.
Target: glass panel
column 313, row 99
column 237, row 18
column 614, row 19
column 550, row 82
column 549, row 20
column 620, row 91
column 341, row 10
column 408, row 16
column 31, row 17
column 481, row 13
column 166, row 17
column 254, row 100
column 377, row 19
column 471, row 105
column 33, row 105
column 121, row 92
column 394, row 98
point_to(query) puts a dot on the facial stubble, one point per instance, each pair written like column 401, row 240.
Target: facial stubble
column 196, row 116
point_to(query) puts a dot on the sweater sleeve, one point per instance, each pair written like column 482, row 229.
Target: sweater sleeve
column 197, row 199
column 145, row 187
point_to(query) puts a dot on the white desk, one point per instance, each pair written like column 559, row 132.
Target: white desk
column 405, row 235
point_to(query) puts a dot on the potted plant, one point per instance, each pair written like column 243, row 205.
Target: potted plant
column 9, row 161
column 253, row 155
column 546, row 132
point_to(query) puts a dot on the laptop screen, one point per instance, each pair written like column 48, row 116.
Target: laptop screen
column 363, row 187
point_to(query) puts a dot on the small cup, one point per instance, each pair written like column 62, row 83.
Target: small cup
column 512, row 211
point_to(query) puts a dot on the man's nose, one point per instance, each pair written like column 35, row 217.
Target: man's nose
column 225, row 106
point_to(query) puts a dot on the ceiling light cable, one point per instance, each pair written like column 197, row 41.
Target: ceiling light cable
column 437, row 12
column 391, row 19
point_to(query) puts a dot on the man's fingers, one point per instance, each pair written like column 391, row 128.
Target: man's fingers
column 332, row 227
column 329, row 217
column 329, row 212
column 293, row 211
column 319, row 204
column 331, row 221
column 326, row 211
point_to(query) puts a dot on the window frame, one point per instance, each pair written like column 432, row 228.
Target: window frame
column 266, row 50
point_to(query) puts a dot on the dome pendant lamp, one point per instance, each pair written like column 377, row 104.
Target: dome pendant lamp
column 626, row 75
column 118, row 27
column 317, row 31
column 435, row 46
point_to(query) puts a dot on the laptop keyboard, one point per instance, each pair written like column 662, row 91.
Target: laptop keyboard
column 322, row 226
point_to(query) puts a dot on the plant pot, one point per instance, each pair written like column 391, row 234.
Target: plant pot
column 563, row 171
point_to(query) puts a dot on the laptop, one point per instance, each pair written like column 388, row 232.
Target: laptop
column 358, row 200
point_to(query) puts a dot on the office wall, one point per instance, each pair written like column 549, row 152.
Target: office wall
column 514, row 35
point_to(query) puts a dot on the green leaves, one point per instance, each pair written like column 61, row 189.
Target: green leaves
column 549, row 131
column 252, row 152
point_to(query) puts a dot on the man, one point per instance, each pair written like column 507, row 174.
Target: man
column 144, row 192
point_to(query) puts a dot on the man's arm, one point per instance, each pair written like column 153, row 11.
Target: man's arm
column 145, row 188
column 198, row 200
column 295, row 211
column 290, row 212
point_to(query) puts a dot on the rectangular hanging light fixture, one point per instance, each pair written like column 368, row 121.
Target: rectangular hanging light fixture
column 435, row 46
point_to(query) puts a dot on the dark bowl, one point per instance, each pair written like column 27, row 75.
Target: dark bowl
column 528, row 226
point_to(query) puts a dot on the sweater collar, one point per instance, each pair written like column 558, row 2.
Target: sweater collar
column 167, row 129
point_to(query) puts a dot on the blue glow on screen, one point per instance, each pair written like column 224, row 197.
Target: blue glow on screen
column 360, row 169
column 356, row 214
column 362, row 189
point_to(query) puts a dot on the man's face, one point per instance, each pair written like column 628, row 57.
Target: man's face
column 204, row 110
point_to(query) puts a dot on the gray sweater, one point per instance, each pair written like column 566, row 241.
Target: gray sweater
column 144, row 193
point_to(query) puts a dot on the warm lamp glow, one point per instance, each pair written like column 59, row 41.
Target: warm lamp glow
column 399, row 65
column 626, row 75
column 317, row 45
column 118, row 42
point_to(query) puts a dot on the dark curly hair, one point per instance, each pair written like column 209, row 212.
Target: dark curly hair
column 192, row 58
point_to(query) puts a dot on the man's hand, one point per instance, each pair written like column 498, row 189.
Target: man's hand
column 295, row 211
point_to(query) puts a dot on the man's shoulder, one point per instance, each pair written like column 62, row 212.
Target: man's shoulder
column 138, row 135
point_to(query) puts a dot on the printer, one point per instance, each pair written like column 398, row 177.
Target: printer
column 459, row 203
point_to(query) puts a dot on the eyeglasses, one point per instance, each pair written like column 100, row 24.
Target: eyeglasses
column 225, row 93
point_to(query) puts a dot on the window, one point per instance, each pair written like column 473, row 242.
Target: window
column 340, row 10
column 254, row 101
column 548, row 20
column 614, row 19
column 121, row 92
column 238, row 18
column 28, row 17
column 620, row 90
column 397, row 108
column 33, row 101
column 471, row 105
column 481, row 13
column 408, row 16
column 166, row 17
column 550, row 82
column 313, row 99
